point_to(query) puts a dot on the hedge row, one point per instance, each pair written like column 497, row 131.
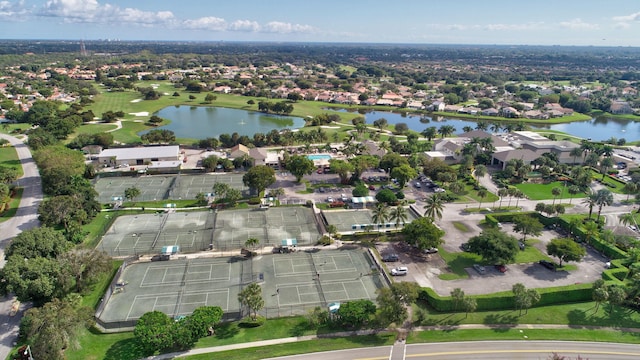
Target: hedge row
column 505, row 300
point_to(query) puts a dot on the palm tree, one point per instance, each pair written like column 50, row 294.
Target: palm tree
column 252, row 243
column 630, row 188
column 573, row 190
column 605, row 164
column 380, row 214
column 627, row 219
column 502, row 192
column 446, row 130
column 481, row 125
column 604, row 197
column 480, row 171
column 556, row 191
column 482, row 193
column 429, row 132
column 511, row 192
column 590, row 201
column 575, row 152
column 467, row 128
column 590, row 231
column 434, row 207
column 518, row 194
column 399, row 215
column 495, row 127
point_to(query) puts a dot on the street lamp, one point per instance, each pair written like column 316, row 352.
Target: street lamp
column 27, row 352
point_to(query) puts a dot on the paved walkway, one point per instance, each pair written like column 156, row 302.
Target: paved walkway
column 398, row 347
column 25, row 218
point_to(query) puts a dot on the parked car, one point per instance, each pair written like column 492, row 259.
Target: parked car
column 399, row 271
column 521, row 245
column 417, row 185
column 390, row 258
column 336, row 204
column 329, row 199
column 432, row 250
column 371, row 187
column 548, row 264
column 464, row 247
column 439, row 190
column 479, row 268
column 501, row 268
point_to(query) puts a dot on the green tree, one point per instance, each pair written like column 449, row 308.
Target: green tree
column 433, row 207
column 423, row 233
column 458, row 296
column 251, row 297
column 590, row 202
column 210, row 98
column 356, row 312
column 556, row 191
column 494, row 246
column 403, row 173
column 203, row 320
column 62, row 210
column 55, row 326
column 399, row 215
column 524, row 298
column 38, row 242
column 527, row 225
column 380, row 214
column 36, row 279
column 617, row 296
column 600, row 295
column 469, row 305
column 565, row 250
column 360, row 190
column 430, row 132
column 259, row 178
column 386, row 196
column 630, row 188
column 154, row 331
column 482, row 193
column 210, row 163
column 393, row 300
column 131, row 193
column 342, row 168
column 573, row 190
column 252, row 243
column 299, row 166
column 604, row 197
column 84, row 266
column 392, row 160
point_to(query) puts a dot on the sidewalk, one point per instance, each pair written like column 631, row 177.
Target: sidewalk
column 213, row 349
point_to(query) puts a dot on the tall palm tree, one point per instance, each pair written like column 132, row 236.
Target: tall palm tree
column 604, row 197
column 480, row 171
column 481, row 125
column 482, row 193
column 518, row 194
column 573, row 190
column 495, row 127
column 605, row 164
column 627, row 219
column 380, row 214
column 575, row 152
column 511, row 192
column 446, row 130
column 399, row 215
column 502, row 192
column 434, row 207
column 590, row 201
column 430, row 132
column 556, row 191
column 630, row 188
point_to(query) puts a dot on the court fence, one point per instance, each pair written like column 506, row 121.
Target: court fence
column 114, row 286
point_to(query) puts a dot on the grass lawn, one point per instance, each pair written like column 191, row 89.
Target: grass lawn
column 9, row 158
column 302, row 347
column 576, row 314
column 13, row 206
column 518, row 334
column 461, row 226
column 543, row 191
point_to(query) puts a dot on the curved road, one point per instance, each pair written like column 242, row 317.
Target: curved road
column 480, row 350
column 26, row 218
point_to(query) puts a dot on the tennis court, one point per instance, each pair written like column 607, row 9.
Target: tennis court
column 163, row 187
column 294, row 281
column 151, row 187
column 148, row 233
column 188, row 186
column 270, row 227
column 175, row 287
column 357, row 220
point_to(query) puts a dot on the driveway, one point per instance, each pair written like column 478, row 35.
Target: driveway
column 25, row 218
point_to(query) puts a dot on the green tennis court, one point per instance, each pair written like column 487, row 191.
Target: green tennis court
column 188, row 186
column 151, row 187
column 357, row 220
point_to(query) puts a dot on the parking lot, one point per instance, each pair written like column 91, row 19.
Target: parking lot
column 425, row 268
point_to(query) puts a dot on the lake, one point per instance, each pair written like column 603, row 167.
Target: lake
column 201, row 122
column 600, row 128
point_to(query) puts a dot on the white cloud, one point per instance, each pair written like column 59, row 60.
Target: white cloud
column 91, row 11
column 244, row 25
column 578, row 24
column 514, row 27
column 286, row 28
column 623, row 22
column 13, row 10
column 206, row 23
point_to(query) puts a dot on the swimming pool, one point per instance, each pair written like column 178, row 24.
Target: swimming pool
column 319, row 157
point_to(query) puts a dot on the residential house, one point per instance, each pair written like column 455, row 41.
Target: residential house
column 620, row 107
column 501, row 158
column 490, row 112
column 258, row 155
column 238, row 151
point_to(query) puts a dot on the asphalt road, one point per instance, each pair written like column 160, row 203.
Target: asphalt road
column 26, row 218
column 480, row 350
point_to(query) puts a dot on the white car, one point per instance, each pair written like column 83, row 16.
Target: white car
column 399, row 271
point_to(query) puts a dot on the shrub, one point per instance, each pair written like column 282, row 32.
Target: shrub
column 248, row 322
column 254, row 201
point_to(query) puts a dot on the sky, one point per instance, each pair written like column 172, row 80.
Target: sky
column 502, row 22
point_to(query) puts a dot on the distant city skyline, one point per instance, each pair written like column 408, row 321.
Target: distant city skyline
column 501, row 22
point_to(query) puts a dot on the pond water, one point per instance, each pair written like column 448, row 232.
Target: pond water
column 200, row 122
column 600, row 128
